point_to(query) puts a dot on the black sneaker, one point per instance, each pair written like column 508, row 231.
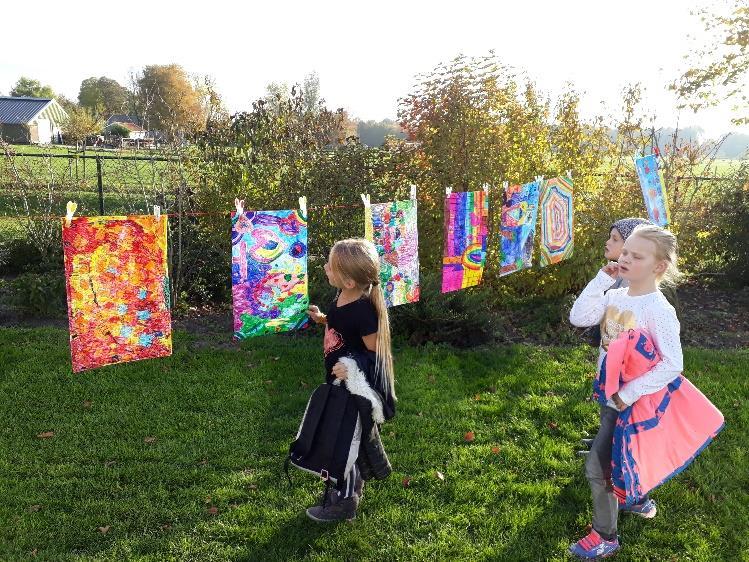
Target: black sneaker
column 343, row 510
column 330, row 498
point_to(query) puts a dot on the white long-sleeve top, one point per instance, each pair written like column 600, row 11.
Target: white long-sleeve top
column 617, row 311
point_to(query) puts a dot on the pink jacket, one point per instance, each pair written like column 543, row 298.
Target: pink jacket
column 660, row 434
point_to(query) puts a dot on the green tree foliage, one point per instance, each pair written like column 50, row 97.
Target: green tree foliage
column 81, row 123
column 31, row 88
column 719, row 70
column 169, row 101
column 103, row 96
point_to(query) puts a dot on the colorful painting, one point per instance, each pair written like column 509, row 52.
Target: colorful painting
column 269, row 272
column 653, row 189
column 519, row 210
column 466, row 215
column 557, row 220
column 118, row 289
column 395, row 235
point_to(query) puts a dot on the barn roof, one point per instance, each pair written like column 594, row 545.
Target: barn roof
column 20, row 110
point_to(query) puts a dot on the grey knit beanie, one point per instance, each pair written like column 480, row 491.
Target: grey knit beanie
column 626, row 226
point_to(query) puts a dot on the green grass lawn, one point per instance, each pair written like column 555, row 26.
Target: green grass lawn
column 223, row 416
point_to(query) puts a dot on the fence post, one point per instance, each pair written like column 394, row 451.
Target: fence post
column 101, row 185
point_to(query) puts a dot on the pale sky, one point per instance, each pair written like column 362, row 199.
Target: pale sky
column 366, row 53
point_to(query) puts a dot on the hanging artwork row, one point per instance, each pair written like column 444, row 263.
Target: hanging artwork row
column 118, row 284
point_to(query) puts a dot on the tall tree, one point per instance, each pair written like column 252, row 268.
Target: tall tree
column 168, row 100
column 32, row 88
column 103, row 96
column 719, row 71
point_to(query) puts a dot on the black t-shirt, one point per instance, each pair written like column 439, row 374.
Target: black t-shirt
column 345, row 328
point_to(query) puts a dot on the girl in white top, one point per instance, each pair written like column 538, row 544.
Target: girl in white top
column 648, row 257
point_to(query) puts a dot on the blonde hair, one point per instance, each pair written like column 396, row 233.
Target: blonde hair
column 666, row 249
column 357, row 259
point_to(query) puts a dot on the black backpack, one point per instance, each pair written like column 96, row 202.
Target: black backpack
column 327, row 443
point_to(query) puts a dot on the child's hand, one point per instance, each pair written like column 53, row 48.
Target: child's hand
column 620, row 405
column 317, row 316
column 340, row 372
column 611, row 269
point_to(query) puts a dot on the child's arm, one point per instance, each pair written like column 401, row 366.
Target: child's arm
column 663, row 327
column 591, row 304
column 317, row 316
column 370, row 342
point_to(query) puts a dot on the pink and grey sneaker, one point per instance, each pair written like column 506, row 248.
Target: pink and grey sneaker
column 646, row 509
column 594, row 547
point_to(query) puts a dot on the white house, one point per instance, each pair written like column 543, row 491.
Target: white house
column 25, row 120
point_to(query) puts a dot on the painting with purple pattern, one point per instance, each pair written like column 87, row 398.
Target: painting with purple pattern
column 269, row 272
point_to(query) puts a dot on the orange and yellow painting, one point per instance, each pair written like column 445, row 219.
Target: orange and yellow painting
column 117, row 288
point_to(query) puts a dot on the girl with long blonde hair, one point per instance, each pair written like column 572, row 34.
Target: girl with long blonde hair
column 356, row 326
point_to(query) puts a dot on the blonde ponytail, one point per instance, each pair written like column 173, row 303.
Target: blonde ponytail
column 384, row 363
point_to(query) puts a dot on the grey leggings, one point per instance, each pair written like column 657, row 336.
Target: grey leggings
column 598, row 473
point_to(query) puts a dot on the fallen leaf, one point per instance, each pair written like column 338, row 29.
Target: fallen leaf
column 391, row 434
column 269, row 381
column 110, row 463
column 213, row 510
column 431, row 379
column 45, row 434
column 469, row 436
column 252, row 486
column 104, row 530
column 276, row 358
column 233, row 505
column 34, row 508
column 149, row 440
column 203, row 462
column 247, row 471
column 492, row 389
column 477, row 397
column 34, row 552
column 439, row 475
column 420, row 414
column 87, row 404
column 588, row 528
column 553, row 425
column 208, row 500
column 166, row 526
column 406, row 482
column 495, row 449
column 303, row 384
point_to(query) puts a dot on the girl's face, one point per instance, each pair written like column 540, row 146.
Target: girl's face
column 614, row 245
column 334, row 279
column 638, row 262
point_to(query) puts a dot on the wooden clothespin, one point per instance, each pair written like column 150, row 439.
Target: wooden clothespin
column 486, row 187
column 69, row 210
column 539, row 179
column 368, row 228
column 448, row 191
column 569, row 174
column 505, row 185
column 303, row 205
column 239, row 205
column 157, row 212
column 413, row 192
